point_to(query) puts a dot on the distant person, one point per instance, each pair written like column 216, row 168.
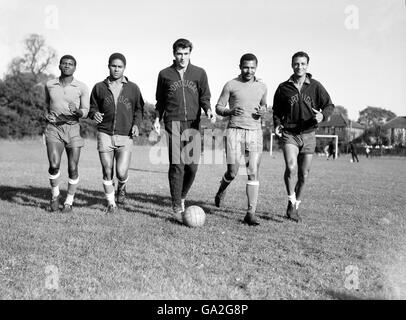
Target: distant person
column 367, row 151
column 353, row 152
column 116, row 104
column 331, row 151
column 67, row 101
column 300, row 103
column 182, row 91
column 246, row 99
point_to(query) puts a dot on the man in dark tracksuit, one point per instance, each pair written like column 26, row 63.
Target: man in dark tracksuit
column 182, row 91
column 300, row 103
column 116, row 104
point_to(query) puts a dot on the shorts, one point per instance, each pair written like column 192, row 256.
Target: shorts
column 306, row 142
column 68, row 134
column 107, row 143
column 242, row 140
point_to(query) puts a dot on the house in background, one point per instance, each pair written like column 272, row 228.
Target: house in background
column 396, row 131
column 346, row 130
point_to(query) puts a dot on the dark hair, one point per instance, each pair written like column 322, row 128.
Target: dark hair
column 182, row 43
column 248, row 57
column 67, row 56
column 119, row 56
column 301, row 54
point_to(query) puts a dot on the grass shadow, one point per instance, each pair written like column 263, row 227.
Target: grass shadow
column 152, row 205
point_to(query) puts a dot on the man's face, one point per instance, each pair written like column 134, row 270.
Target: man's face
column 116, row 68
column 248, row 69
column 182, row 57
column 299, row 66
column 67, row 67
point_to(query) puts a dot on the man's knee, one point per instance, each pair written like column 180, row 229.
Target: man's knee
column 122, row 174
column 232, row 173
column 291, row 167
column 303, row 175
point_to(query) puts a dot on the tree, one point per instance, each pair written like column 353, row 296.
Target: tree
column 341, row 110
column 38, row 57
column 22, row 100
column 373, row 116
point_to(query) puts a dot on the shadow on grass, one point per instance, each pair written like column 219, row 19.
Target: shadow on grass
column 153, row 205
column 149, row 171
column 342, row 295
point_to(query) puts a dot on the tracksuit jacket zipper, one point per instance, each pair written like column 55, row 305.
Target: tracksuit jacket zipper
column 183, row 91
column 115, row 108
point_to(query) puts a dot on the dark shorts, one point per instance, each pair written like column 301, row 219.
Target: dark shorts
column 68, row 134
column 306, row 142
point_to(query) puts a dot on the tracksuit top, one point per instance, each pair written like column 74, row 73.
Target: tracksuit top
column 119, row 118
column 181, row 100
column 246, row 95
column 293, row 109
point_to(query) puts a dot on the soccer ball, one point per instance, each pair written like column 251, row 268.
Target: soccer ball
column 350, row 160
column 194, row 216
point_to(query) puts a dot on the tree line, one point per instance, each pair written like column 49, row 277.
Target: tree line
column 22, row 100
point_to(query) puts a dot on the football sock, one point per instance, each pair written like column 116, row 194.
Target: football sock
column 54, row 181
column 122, row 183
column 72, row 185
column 109, row 191
column 110, row 198
column 297, row 203
column 292, row 198
column 69, row 199
column 224, row 183
column 252, row 195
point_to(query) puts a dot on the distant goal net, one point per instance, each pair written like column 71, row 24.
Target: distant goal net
column 326, row 138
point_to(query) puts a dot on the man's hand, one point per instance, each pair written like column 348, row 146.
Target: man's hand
column 98, row 117
column 50, row 117
column 261, row 110
column 72, row 107
column 134, row 131
column 278, row 130
column 76, row 111
column 318, row 116
column 237, row 111
column 157, row 126
column 211, row 116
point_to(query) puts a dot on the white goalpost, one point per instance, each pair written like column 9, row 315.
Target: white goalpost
column 332, row 136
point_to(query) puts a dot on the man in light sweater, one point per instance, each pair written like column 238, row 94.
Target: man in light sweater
column 246, row 98
column 67, row 101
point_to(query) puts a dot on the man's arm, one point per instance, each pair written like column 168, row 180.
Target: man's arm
column 324, row 102
column 50, row 117
column 277, row 108
column 138, row 115
column 160, row 98
column 84, row 102
column 94, row 112
column 94, row 107
column 204, row 93
column 222, row 108
column 263, row 106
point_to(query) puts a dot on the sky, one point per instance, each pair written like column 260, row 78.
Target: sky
column 357, row 49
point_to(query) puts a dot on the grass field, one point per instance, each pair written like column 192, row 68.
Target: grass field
column 353, row 220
